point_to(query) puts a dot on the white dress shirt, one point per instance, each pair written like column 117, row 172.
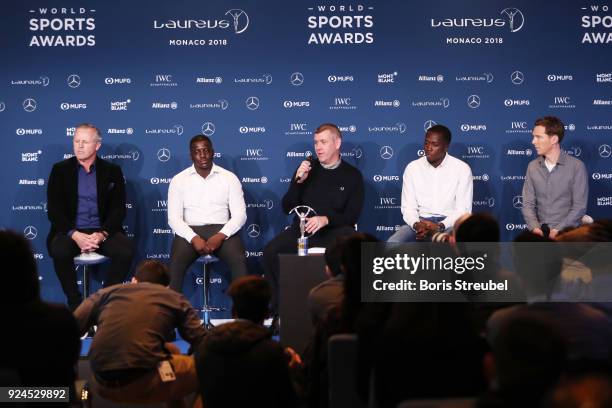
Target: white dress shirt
column 443, row 191
column 216, row 199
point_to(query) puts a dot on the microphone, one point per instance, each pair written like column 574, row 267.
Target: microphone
column 545, row 230
column 300, row 175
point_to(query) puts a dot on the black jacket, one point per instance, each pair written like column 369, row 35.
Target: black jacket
column 62, row 196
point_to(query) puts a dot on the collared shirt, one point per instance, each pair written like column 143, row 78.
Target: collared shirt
column 216, row 199
column 87, row 207
column 558, row 197
column 443, row 191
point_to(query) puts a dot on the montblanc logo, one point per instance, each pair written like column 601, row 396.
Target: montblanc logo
column 379, row 178
column 604, row 201
column 120, row 131
column 120, row 105
column 509, row 103
column 117, row 81
column 31, row 156
column 265, row 79
column 296, row 104
column 512, row 18
column 32, row 182
column 164, row 105
column 72, row 106
column 221, row 104
column 395, row 103
column 519, row 152
column 399, row 127
column 70, row 131
column 233, row 19
column 559, row 77
column 255, row 180
column 28, row 132
column 486, row 77
column 305, row 154
column 604, row 78
column 210, row 80
column 157, row 180
column 431, row 78
column 175, row 130
column 252, row 129
column 297, row 129
column 340, row 78
column 562, row 102
column 436, row 103
column 466, row 127
column 163, row 80
column 41, row 81
column 387, row 78
column 265, row 204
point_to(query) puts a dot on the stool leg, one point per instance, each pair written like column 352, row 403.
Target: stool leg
column 85, row 282
column 205, row 294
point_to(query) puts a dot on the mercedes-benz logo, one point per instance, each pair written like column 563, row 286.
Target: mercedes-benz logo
column 386, row 152
column 29, row 105
column 253, row 230
column 30, row 232
column 516, row 19
column 241, row 20
column 252, row 103
column 517, row 77
column 473, row 101
column 208, row 128
column 428, row 125
column 163, row 155
column 297, row 79
column 73, row 81
column 605, row 151
column 517, row 202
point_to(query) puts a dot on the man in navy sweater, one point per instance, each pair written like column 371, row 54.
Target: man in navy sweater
column 332, row 187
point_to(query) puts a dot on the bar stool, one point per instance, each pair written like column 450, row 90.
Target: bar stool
column 86, row 259
column 206, row 308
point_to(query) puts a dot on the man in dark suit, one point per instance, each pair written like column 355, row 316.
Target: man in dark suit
column 86, row 207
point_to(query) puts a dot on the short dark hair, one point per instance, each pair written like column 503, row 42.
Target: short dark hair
column 251, row 298
column 442, row 131
column 20, row 278
column 553, row 126
column 479, row 227
column 152, row 271
column 199, row 138
column 329, row 126
column 333, row 255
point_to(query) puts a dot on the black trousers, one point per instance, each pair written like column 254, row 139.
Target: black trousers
column 63, row 249
column 286, row 243
column 182, row 255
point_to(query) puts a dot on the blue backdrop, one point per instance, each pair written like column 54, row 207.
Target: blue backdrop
column 258, row 77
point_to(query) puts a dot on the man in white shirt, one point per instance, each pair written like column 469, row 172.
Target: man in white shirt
column 437, row 189
column 205, row 211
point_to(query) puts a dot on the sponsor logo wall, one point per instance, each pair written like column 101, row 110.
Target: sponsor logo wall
column 259, row 89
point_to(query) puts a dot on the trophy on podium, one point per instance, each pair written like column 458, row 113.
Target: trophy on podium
column 303, row 212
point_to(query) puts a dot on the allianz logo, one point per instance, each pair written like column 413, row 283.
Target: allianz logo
column 35, row 182
column 158, row 231
column 522, row 152
column 307, row 153
column 258, row 180
column 392, row 228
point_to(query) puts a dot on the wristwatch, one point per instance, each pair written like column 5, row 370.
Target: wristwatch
column 441, row 227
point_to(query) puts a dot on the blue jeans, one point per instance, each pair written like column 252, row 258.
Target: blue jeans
column 407, row 234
